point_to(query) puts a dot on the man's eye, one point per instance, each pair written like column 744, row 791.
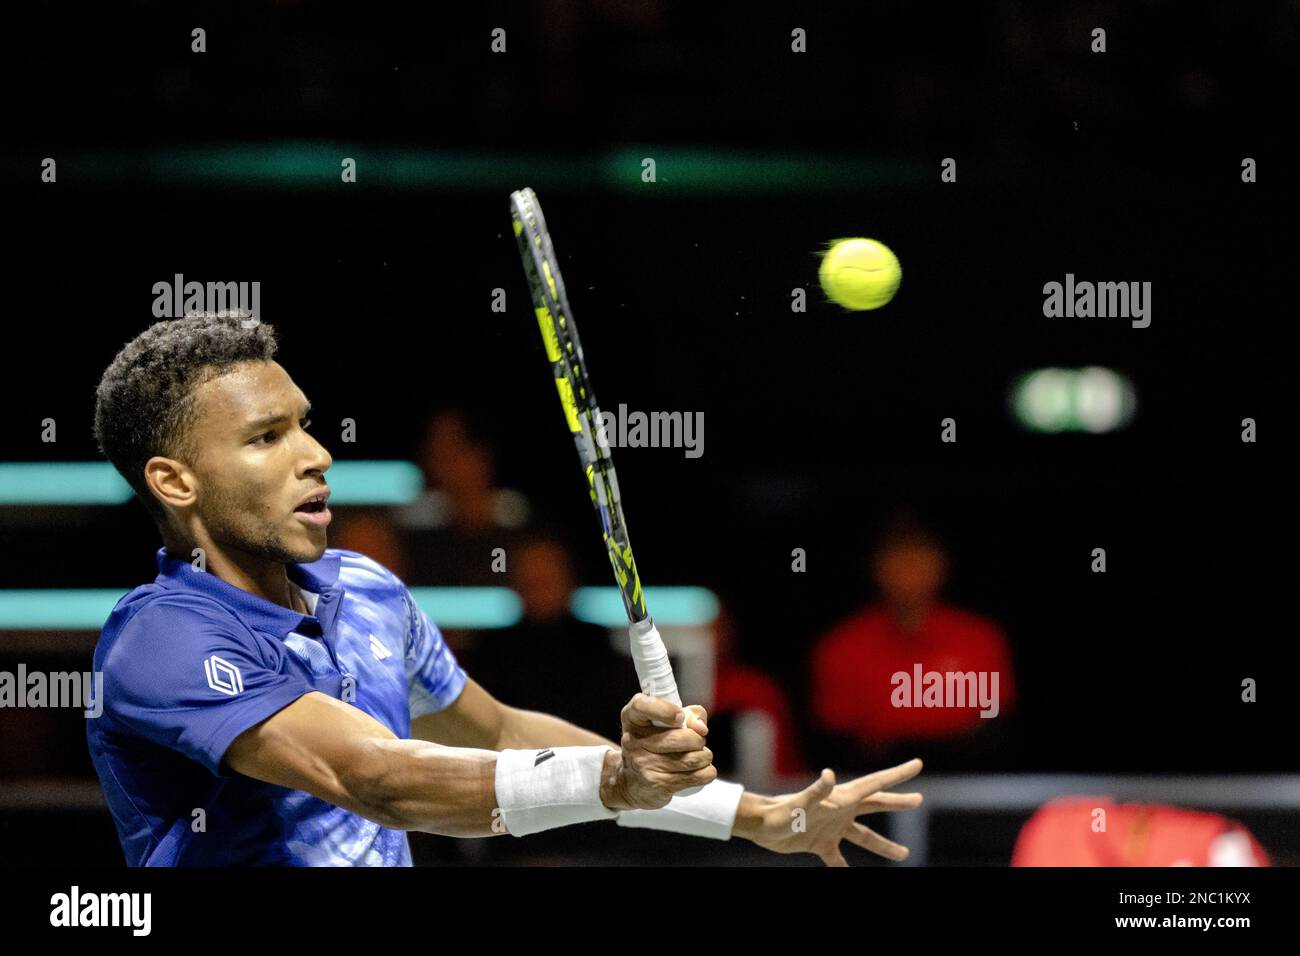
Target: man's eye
column 266, row 438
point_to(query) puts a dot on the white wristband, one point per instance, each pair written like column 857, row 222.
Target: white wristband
column 553, row 787
column 709, row 812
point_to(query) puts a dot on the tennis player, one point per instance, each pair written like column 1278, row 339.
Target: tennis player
column 270, row 701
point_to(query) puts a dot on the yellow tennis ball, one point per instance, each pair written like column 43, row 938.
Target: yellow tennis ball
column 860, row 274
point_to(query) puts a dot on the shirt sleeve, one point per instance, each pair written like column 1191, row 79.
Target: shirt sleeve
column 433, row 676
column 193, row 680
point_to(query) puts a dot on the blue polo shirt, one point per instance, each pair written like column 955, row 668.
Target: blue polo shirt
column 191, row 662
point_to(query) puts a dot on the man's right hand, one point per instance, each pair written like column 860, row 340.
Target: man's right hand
column 656, row 762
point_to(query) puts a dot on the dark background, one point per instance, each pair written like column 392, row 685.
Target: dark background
column 1122, row 166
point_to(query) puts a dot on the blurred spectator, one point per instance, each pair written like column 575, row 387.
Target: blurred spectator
column 865, row 693
column 551, row 661
column 739, row 689
column 453, row 528
column 1069, row 832
column 372, row 532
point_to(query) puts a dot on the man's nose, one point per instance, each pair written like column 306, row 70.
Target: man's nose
column 317, row 458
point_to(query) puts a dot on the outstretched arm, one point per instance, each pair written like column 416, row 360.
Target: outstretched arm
column 343, row 755
column 814, row 820
column 340, row 754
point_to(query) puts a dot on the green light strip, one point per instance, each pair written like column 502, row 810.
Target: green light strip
column 470, row 607
column 307, row 165
column 57, row 609
column 374, row 482
column 61, row 483
column 311, row 164
column 669, row 606
column 86, row 609
column 96, row 483
column 707, row 171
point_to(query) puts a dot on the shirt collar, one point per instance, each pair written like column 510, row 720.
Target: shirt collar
column 260, row 614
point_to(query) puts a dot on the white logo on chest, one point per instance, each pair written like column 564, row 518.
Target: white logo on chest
column 378, row 649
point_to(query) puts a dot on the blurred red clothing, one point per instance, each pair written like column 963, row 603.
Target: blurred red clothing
column 1062, row 833
column 738, row 688
column 853, row 667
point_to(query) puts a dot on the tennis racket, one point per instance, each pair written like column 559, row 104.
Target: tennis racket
column 569, row 368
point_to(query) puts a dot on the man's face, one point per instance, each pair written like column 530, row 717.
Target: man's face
column 257, row 465
column 454, row 460
column 911, row 572
column 544, row 580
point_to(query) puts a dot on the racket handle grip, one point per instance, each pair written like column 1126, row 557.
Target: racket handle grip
column 654, row 671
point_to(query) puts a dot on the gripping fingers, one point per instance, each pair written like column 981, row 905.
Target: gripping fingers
column 674, row 782
column 697, row 719
column 646, row 714
column 643, row 711
column 677, row 763
column 664, row 742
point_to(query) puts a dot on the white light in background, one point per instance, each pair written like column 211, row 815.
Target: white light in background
column 1093, row 399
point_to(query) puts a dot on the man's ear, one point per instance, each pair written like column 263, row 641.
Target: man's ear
column 171, row 481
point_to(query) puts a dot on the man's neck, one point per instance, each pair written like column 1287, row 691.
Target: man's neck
column 297, row 602
column 910, row 617
column 263, row 577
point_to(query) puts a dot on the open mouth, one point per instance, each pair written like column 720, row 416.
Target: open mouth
column 315, row 510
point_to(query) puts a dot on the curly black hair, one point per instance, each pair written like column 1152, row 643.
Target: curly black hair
column 145, row 398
